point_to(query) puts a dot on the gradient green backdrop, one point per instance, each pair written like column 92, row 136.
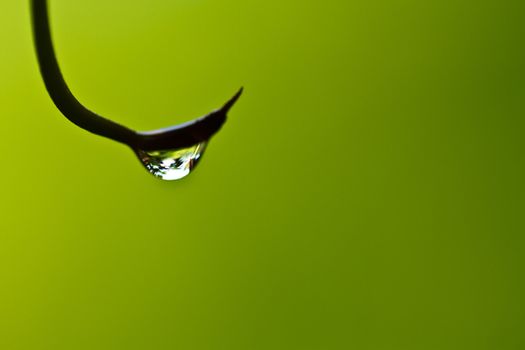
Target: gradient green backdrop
column 366, row 193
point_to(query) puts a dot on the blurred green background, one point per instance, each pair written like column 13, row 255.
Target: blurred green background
column 366, row 193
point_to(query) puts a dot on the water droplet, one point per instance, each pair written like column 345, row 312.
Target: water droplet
column 172, row 164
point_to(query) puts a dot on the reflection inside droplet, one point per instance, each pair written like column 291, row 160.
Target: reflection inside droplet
column 172, row 164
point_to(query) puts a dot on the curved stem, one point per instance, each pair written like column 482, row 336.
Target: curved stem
column 179, row 136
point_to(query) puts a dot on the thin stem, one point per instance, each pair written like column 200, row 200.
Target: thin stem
column 178, row 136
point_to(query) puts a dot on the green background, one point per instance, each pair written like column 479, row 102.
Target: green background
column 366, row 193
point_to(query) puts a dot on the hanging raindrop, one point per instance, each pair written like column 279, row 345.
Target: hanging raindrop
column 172, row 164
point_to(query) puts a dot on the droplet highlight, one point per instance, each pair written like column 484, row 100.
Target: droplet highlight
column 172, row 164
